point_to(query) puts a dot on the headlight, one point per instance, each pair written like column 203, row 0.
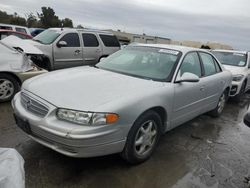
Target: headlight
column 86, row 118
column 238, row 77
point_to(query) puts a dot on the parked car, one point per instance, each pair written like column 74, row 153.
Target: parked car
column 238, row 62
column 5, row 33
column 15, row 67
column 124, row 103
column 66, row 47
column 247, row 119
column 35, row 31
column 17, row 28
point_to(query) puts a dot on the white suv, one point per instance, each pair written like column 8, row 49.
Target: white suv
column 238, row 62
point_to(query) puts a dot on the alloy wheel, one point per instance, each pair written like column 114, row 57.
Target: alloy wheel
column 145, row 138
column 6, row 89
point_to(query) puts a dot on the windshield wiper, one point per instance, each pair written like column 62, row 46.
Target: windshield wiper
column 37, row 40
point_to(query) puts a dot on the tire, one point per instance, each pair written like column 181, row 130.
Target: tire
column 238, row 97
column 146, row 131
column 9, row 86
column 220, row 106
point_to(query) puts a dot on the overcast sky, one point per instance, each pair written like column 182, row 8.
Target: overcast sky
column 225, row 21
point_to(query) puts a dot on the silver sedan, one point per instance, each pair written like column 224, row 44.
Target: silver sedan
column 123, row 104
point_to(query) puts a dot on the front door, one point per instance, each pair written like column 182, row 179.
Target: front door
column 189, row 96
column 69, row 55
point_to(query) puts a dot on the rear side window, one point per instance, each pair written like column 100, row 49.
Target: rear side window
column 89, row 40
column 110, row 40
column 208, row 63
column 6, row 27
column 72, row 40
column 218, row 69
column 22, row 30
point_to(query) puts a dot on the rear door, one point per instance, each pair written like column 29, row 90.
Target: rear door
column 70, row 55
column 92, row 50
column 189, row 96
column 213, row 78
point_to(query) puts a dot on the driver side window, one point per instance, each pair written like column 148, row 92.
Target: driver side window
column 191, row 64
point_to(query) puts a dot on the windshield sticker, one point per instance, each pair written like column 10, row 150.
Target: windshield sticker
column 173, row 52
column 241, row 63
column 238, row 54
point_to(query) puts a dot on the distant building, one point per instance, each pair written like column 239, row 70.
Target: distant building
column 126, row 38
column 196, row 44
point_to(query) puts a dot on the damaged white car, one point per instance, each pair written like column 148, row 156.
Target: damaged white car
column 15, row 66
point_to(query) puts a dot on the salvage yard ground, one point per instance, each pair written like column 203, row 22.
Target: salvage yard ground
column 205, row 152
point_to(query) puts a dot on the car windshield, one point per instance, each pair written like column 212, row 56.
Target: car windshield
column 231, row 58
column 143, row 62
column 47, row 37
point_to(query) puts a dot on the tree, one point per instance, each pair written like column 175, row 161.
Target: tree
column 48, row 18
column 31, row 20
column 205, row 46
column 17, row 20
column 67, row 22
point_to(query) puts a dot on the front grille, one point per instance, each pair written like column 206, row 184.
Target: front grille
column 34, row 106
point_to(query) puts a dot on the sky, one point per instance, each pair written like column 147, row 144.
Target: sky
column 224, row 21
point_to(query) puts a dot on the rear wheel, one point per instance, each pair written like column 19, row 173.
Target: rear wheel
column 142, row 138
column 9, row 86
column 220, row 106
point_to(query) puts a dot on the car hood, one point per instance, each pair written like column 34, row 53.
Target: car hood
column 25, row 45
column 85, row 88
column 234, row 69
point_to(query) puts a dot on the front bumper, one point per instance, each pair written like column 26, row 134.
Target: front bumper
column 235, row 89
column 71, row 139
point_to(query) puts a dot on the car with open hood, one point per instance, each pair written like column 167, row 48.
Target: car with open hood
column 15, row 67
column 124, row 103
column 238, row 62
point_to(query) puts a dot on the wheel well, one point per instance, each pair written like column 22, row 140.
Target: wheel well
column 14, row 76
column 162, row 113
column 102, row 57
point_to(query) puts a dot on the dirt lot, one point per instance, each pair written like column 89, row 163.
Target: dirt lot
column 205, row 152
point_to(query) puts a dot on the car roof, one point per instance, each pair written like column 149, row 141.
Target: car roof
column 10, row 25
column 61, row 30
column 231, row 51
column 183, row 49
column 12, row 31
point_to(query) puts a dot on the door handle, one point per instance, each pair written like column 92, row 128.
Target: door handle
column 98, row 50
column 77, row 52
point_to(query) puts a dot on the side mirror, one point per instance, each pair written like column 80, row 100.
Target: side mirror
column 188, row 77
column 61, row 44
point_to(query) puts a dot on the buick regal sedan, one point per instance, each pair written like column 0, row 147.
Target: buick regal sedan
column 123, row 104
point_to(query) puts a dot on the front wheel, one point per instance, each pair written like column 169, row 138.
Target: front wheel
column 220, row 106
column 142, row 138
column 9, row 86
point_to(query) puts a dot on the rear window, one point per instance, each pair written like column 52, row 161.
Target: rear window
column 22, row 30
column 6, row 27
column 110, row 40
column 231, row 58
